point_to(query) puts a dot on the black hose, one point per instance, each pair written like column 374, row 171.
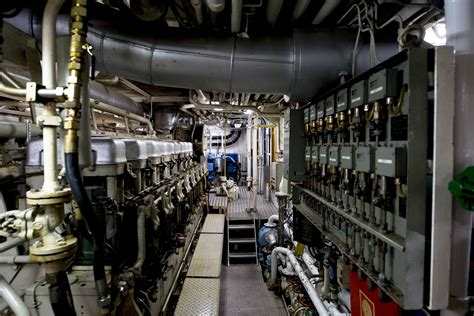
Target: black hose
column 60, row 294
column 95, row 223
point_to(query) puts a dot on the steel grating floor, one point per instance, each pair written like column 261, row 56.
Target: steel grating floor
column 207, row 258
column 218, row 202
column 243, row 292
column 238, row 209
column 199, row 297
column 214, row 224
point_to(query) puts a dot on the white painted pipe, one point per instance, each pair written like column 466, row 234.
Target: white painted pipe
column 215, row 6
column 249, row 151
column 197, row 5
column 300, row 8
column 325, row 10
column 110, row 109
column 271, row 220
column 48, row 44
column 13, row 300
column 307, row 258
column 15, row 259
column 141, row 240
column 236, row 17
column 333, row 310
column 10, row 243
column 313, row 295
column 273, row 10
column 255, row 161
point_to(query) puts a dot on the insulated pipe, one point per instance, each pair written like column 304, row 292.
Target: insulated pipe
column 141, row 240
column 197, row 5
column 236, row 16
column 17, row 130
column 273, row 11
column 215, row 6
column 13, row 300
column 459, row 26
column 106, row 95
column 326, row 9
column 223, row 64
column 300, row 8
column 113, row 110
column 10, row 243
column 313, row 295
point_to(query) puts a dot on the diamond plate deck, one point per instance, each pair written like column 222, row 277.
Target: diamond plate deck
column 218, row 202
column 207, row 258
column 214, row 224
column 199, row 297
column 238, row 209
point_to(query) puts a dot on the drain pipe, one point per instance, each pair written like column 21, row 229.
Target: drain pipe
column 313, row 295
column 13, row 300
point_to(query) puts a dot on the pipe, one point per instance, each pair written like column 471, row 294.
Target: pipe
column 113, row 110
column 326, row 9
column 141, row 240
column 236, row 16
column 13, row 300
column 15, row 259
column 300, row 8
column 17, row 130
column 215, row 6
column 273, row 11
column 249, row 153
column 85, row 147
column 271, row 221
column 12, row 91
column 459, row 26
column 197, row 5
column 60, row 294
column 254, row 162
column 104, row 94
column 10, row 243
column 313, row 295
column 224, row 64
column 230, row 139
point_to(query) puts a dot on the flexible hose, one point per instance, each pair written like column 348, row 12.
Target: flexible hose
column 95, row 223
column 60, row 295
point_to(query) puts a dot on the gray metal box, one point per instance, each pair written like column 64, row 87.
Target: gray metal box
column 307, row 154
column 294, row 146
column 347, row 157
column 306, row 115
column 320, row 109
column 364, row 161
column 342, row 101
column 382, row 84
column 358, row 95
column 312, row 112
column 330, row 105
column 315, row 154
column 324, row 154
column 334, row 155
column 390, row 161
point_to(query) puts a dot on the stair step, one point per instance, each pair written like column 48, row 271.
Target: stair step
column 241, row 226
column 242, row 254
column 241, row 240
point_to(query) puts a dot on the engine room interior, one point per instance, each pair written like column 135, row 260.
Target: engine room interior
column 236, row 157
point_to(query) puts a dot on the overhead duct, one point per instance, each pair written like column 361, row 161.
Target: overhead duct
column 298, row 65
column 230, row 139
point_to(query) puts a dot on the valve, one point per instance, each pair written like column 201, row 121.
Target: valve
column 462, row 188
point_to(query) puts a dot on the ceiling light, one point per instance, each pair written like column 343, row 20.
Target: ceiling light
column 436, row 34
column 189, row 106
column 218, row 109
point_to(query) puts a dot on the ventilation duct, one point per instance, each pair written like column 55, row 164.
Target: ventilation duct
column 297, row 65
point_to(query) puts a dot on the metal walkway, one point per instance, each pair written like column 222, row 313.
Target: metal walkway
column 238, row 209
column 243, row 292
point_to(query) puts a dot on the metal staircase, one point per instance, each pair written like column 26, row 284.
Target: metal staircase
column 241, row 241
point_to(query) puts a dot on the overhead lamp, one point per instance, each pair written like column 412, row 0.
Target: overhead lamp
column 189, row 106
column 218, row 109
column 436, row 34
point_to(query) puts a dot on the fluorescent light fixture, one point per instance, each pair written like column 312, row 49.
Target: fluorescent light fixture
column 218, row 109
column 436, row 34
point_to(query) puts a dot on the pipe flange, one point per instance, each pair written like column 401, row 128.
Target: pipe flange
column 48, row 198
column 40, row 252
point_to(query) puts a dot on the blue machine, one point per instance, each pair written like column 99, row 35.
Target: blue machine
column 267, row 239
column 215, row 164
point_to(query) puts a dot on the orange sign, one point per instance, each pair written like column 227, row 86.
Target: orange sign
column 367, row 307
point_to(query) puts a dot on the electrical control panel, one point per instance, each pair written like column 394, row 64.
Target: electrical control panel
column 294, row 152
column 365, row 187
